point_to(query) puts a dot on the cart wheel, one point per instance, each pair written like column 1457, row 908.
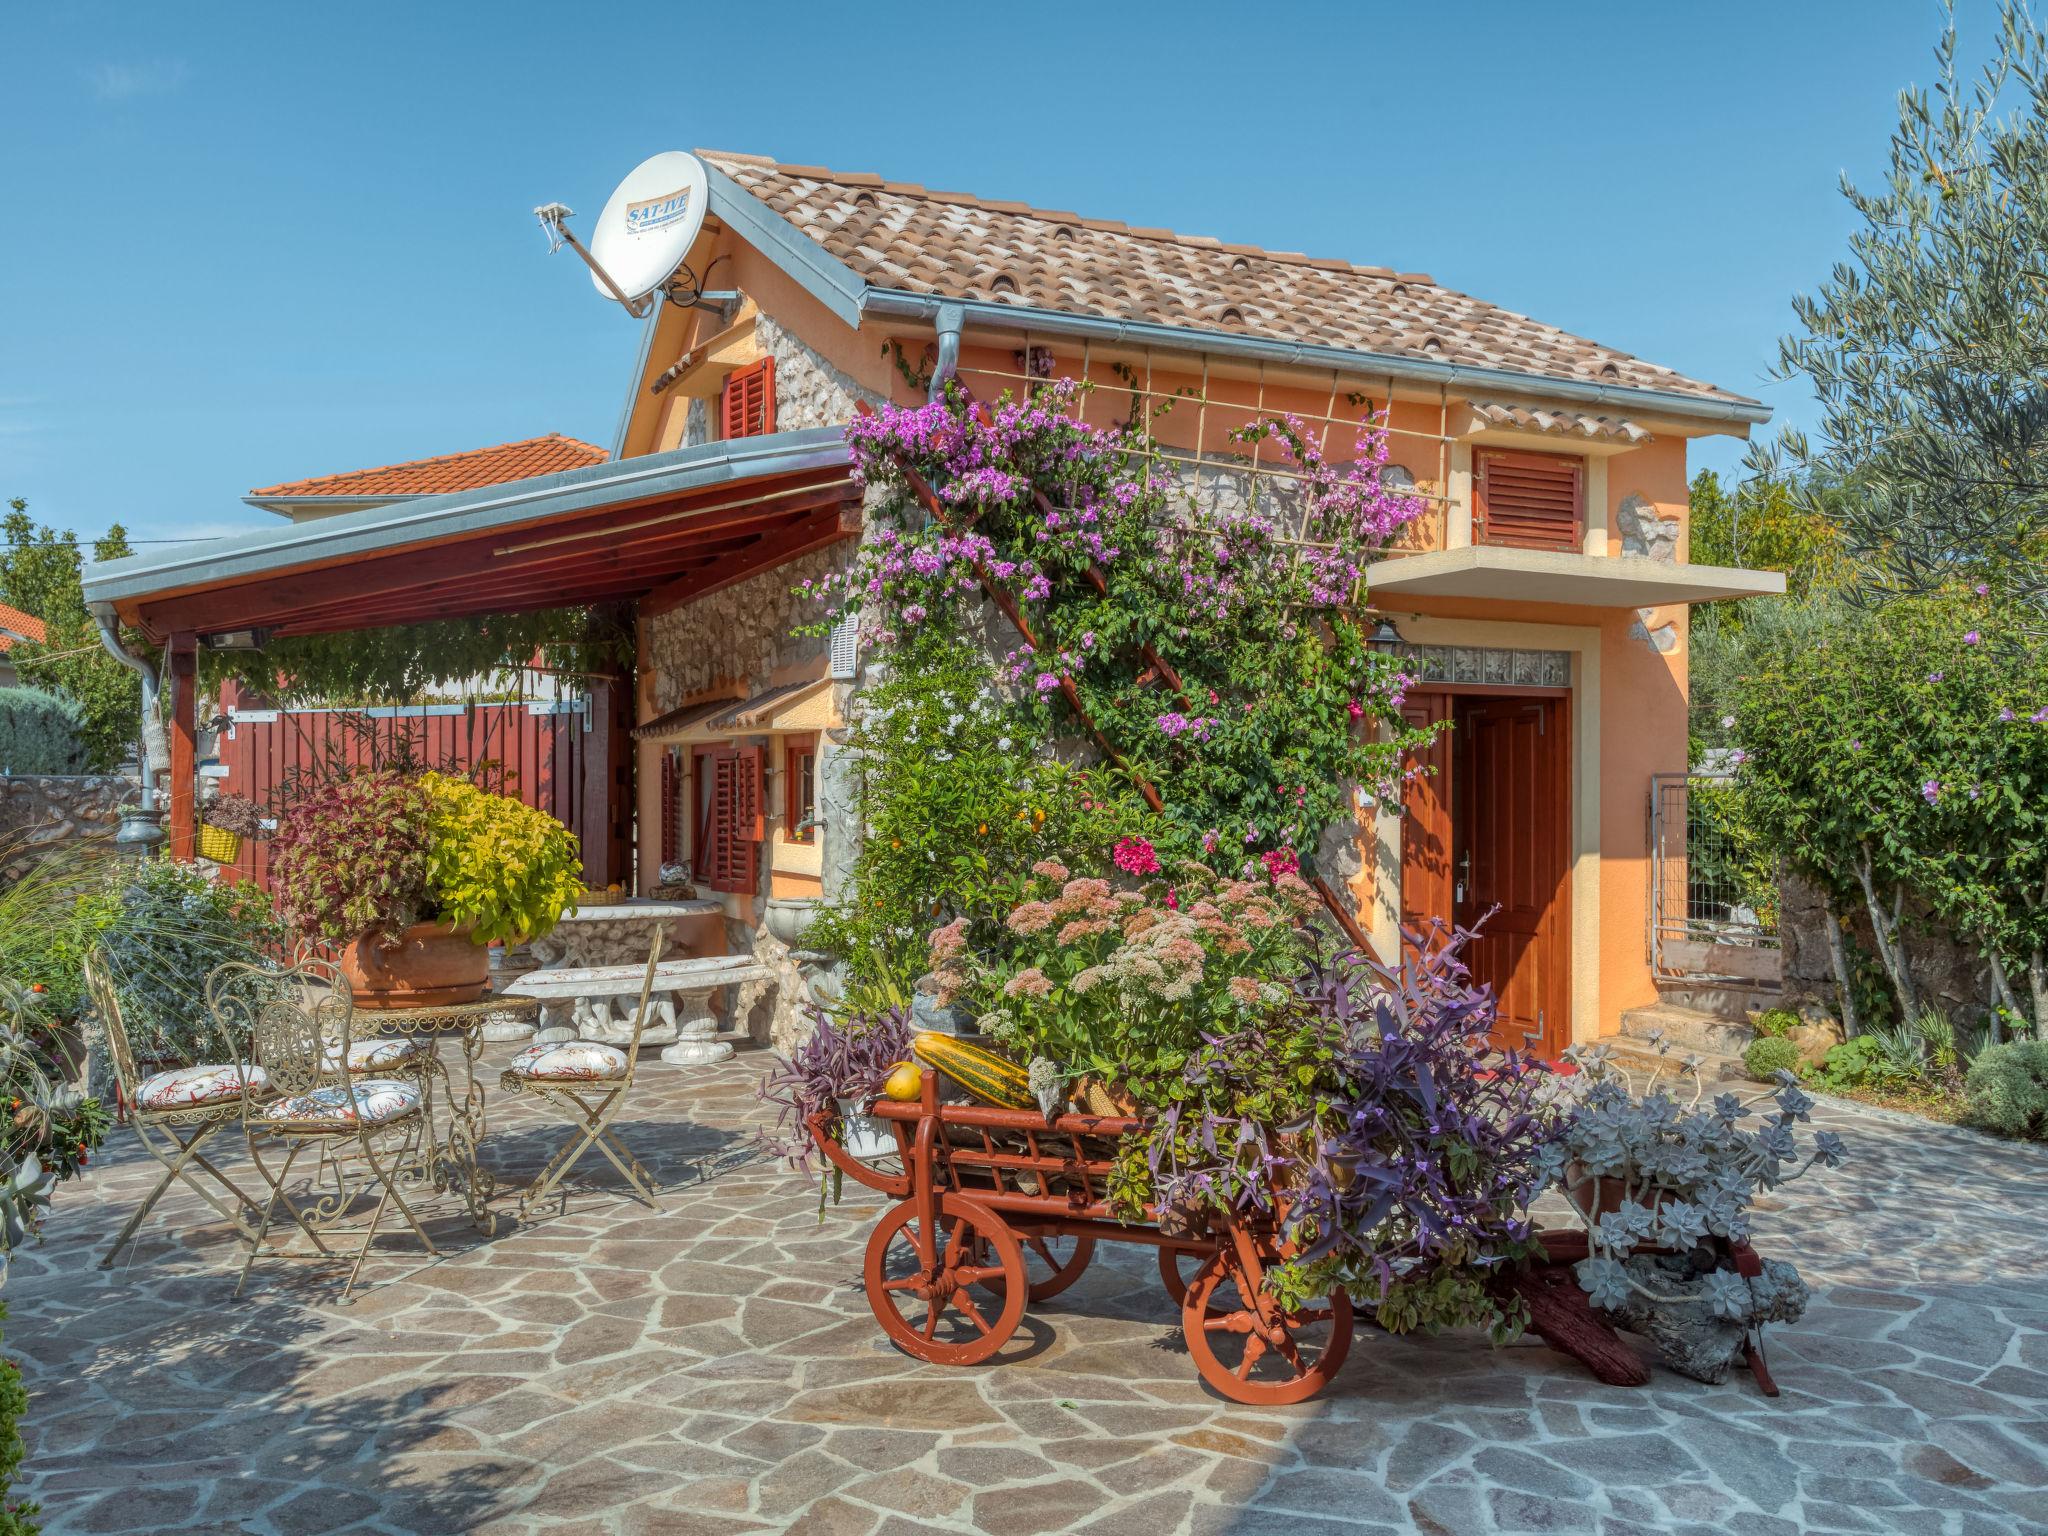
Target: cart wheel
column 1247, row 1348
column 1176, row 1267
column 1052, row 1260
column 919, row 1277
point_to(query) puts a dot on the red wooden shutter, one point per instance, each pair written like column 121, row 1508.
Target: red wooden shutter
column 746, row 406
column 1531, row 500
column 732, row 861
column 671, row 847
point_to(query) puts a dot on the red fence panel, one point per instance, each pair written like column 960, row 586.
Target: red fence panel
column 539, row 752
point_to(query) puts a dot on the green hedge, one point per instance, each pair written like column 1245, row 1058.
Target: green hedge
column 40, row 732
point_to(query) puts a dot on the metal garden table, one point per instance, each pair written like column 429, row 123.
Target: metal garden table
column 451, row 1162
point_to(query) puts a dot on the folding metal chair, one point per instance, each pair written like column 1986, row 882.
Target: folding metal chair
column 176, row 1111
column 585, row 1082
column 367, row 1132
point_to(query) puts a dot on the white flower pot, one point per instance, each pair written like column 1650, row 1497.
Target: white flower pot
column 862, row 1135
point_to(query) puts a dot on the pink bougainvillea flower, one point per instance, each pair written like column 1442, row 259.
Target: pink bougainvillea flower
column 1357, row 709
column 1280, row 861
column 1047, row 682
column 1135, row 856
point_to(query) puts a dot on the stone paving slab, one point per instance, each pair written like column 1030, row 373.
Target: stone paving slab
column 712, row 1367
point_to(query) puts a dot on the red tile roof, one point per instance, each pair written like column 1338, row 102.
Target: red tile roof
column 450, row 472
column 903, row 236
column 15, row 622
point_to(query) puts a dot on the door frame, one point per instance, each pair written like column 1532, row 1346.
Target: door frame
column 1559, row 957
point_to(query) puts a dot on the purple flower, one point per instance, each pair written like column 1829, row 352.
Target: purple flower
column 1934, row 677
column 1972, row 638
column 2007, row 714
column 1983, row 589
column 1931, row 791
column 1047, row 682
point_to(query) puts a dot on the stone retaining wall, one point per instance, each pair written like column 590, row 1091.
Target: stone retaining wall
column 63, row 808
column 1949, row 975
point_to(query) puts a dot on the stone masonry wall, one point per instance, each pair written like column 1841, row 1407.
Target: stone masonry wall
column 741, row 634
column 51, row 808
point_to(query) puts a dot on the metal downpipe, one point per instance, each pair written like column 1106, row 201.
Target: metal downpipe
column 142, row 667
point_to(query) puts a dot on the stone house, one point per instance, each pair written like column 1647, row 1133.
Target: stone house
column 1543, row 600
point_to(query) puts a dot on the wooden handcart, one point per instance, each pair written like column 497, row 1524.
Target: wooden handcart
column 997, row 1208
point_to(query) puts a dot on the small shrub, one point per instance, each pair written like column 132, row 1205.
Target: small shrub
column 41, row 732
column 1768, row 1055
column 1775, row 1022
column 2006, row 1089
column 501, row 869
column 351, row 858
column 16, row 1518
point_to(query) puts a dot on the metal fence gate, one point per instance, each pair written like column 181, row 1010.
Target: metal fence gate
column 1713, row 893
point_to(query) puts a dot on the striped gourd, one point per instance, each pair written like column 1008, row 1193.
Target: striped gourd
column 991, row 1078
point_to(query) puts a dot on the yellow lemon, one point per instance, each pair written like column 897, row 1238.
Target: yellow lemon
column 905, row 1082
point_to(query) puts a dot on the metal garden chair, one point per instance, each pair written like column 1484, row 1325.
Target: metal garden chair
column 585, row 1082
column 367, row 1133
column 175, row 1112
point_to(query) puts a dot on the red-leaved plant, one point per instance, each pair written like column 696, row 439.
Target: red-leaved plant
column 351, row 858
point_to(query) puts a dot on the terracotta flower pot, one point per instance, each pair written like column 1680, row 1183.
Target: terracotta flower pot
column 431, row 965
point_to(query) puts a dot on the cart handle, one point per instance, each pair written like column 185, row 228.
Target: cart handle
column 895, row 1186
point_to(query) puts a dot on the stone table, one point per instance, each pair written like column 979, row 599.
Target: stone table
column 600, row 1000
column 608, row 934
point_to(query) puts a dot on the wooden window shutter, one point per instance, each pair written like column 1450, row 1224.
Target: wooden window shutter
column 732, row 857
column 671, row 842
column 746, row 406
column 1531, row 500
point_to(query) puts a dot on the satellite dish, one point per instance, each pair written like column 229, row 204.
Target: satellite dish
column 649, row 224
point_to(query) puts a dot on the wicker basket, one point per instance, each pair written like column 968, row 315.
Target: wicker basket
column 218, row 844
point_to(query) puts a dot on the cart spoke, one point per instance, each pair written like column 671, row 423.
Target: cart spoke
column 966, row 1304
column 932, row 1308
column 1288, row 1352
column 1254, row 1347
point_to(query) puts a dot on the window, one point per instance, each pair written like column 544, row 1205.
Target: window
column 729, row 825
column 746, row 404
column 1530, row 500
column 800, row 787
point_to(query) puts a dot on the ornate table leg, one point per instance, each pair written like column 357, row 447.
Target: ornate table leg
column 695, row 1027
column 464, row 1169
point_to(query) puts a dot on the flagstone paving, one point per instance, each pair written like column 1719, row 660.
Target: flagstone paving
column 713, row 1368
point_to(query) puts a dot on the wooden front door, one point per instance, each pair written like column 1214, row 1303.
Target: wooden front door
column 1509, row 840
column 1426, row 825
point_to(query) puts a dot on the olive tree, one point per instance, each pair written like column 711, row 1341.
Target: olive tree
column 1927, row 347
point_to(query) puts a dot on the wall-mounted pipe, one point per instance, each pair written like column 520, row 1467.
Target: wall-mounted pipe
column 142, row 667
column 948, row 318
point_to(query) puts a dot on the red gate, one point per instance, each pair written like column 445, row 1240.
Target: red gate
column 555, row 755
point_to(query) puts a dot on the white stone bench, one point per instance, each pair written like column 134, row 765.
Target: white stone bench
column 680, row 1019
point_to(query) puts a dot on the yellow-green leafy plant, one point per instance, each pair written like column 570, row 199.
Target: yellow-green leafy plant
column 499, row 869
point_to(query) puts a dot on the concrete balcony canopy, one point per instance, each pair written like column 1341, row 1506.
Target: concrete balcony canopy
column 1573, row 580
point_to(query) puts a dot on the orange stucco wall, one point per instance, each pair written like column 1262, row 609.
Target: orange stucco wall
column 1637, row 719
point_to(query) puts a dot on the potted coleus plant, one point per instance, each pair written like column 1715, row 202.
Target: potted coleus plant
column 412, row 877
column 231, row 820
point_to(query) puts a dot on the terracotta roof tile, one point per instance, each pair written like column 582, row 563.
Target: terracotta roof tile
column 450, row 472
column 899, row 235
column 1556, row 423
column 15, row 622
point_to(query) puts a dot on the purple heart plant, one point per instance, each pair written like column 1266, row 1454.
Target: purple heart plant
column 843, row 1058
column 1370, row 1118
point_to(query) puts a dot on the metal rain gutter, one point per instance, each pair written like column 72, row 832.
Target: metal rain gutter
column 897, row 304
column 383, row 529
column 826, row 278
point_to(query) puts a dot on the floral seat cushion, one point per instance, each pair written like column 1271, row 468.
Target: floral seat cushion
column 562, row 1061
column 367, row 1101
column 190, row 1087
column 367, row 1056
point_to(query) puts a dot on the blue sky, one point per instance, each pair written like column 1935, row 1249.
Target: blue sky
column 249, row 243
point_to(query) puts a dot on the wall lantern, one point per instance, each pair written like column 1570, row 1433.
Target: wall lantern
column 1385, row 638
